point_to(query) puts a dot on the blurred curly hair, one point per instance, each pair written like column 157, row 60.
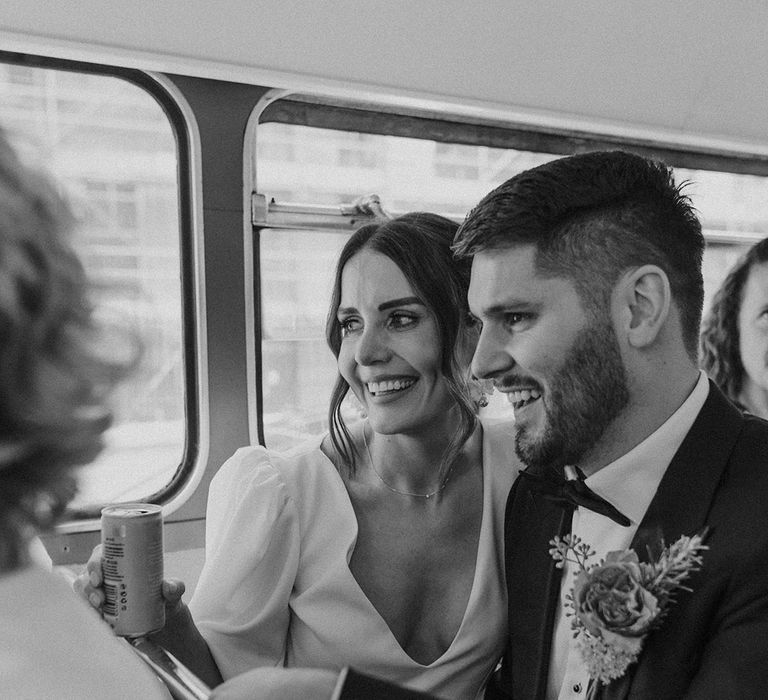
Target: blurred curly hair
column 720, row 356
column 55, row 374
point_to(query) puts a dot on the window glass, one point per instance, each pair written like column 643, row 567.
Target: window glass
column 734, row 213
column 409, row 174
column 111, row 147
column 298, row 368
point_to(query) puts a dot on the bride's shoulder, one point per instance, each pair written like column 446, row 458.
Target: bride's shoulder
column 500, row 460
column 256, row 462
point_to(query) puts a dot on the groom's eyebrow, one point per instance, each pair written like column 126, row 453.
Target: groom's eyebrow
column 506, row 306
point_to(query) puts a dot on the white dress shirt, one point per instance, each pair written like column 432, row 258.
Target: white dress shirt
column 630, row 484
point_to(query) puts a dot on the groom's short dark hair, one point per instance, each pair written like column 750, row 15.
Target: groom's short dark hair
column 591, row 217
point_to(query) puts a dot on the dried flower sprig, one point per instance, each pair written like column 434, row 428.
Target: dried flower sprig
column 615, row 603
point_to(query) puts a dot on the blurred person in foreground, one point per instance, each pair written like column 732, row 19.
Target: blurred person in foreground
column 54, row 382
column 734, row 337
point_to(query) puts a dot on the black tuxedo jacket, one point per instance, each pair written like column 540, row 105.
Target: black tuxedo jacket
column 714, row 640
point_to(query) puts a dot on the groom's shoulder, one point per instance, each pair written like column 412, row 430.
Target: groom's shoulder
column 752, row 443
column 744, row 482
column 755, row 423
column 743, row 435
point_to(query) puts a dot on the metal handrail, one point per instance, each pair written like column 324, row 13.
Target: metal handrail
column 181, row 682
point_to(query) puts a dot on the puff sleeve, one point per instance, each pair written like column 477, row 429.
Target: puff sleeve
column 240, row 604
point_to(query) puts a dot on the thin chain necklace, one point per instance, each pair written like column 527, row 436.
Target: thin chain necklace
column 392, row 488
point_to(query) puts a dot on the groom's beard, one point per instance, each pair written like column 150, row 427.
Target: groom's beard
column 585, row 396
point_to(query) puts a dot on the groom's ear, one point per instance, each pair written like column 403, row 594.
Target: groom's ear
column 644, row 298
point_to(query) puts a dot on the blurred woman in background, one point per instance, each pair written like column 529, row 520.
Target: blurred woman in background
column 734, row 339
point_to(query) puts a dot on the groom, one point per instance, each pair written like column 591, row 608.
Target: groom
column 586, row 277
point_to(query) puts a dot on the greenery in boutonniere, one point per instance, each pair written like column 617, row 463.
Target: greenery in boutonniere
column 615, row 603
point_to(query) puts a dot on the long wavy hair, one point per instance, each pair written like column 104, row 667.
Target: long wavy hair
column 420, row 245
column 720, row 354
column 55, row 371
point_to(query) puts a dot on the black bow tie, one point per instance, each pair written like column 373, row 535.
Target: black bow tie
column 573, row 491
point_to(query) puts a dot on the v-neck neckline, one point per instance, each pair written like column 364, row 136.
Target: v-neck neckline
column 481, row 557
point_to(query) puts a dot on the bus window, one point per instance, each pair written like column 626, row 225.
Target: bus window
column 413, row 168
column 298, row 368
column 733, row 208
column 111, row 146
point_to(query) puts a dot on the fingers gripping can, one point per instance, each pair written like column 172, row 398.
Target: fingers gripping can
column 132, row 568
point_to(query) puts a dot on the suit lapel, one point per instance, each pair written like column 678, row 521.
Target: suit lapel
column 530, row 524
column 685, row 494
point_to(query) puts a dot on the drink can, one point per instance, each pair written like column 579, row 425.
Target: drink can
column 132, row 568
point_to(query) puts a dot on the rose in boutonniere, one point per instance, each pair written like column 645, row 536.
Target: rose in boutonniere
column 611, row 602
column 615, row 603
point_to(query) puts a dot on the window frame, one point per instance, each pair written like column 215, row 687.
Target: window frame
column 188, row 472
column 286, row 107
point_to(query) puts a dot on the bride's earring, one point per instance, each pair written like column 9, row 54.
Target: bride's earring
column 479, row 391
column 350, row 404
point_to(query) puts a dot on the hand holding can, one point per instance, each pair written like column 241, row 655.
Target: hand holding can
column 132, row 568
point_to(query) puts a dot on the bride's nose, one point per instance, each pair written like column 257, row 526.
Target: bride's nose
column 372, row 346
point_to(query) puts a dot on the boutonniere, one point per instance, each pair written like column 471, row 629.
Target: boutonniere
column 615, row 603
